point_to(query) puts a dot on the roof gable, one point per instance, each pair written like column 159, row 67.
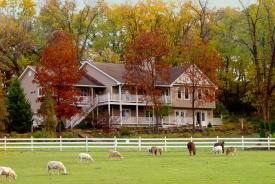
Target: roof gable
column 184, row 78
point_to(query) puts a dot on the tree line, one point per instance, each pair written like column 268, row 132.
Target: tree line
column 244, row 38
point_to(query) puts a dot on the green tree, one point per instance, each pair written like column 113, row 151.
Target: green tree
column 3, row 109
column 47, row 110
column 19, row 109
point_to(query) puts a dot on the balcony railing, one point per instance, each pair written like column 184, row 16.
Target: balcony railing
column 150, row 121
column 128, row 98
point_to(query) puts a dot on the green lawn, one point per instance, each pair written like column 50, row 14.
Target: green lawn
column 174, row 167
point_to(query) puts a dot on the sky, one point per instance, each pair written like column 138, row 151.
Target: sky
column 212, row 3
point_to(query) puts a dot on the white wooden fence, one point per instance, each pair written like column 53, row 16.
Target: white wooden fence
column 134, row 143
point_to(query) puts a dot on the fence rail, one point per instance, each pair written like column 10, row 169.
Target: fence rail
column 133, row 143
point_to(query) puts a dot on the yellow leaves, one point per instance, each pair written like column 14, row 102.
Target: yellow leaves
column 3, row 3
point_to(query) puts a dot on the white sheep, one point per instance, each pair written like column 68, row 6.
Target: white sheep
column 85, row 156
column 8, row 172
column 217, row 149
column 56, row 165
column 114, row 154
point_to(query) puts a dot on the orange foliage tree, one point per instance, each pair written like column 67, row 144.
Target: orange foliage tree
column 201, row 75
column 146, row 67
column 58, row 71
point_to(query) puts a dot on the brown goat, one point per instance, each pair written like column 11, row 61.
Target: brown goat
column 192, row 148
column 231, row 150
column 155, row 150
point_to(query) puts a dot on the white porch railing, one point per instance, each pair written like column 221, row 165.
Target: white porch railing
column 134, row 143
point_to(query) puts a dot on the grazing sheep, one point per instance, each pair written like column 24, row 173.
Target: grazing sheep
column 8, row 172
column 220, row 144
column 192, row 148
column 114, row 154
column 85, row 156
column 217, row 149
column 231, row 150
column 56, row 165
column 155, row 150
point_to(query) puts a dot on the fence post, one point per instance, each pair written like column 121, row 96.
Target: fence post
column 31, row 143
column 165, row 143
column 139, row 143
column 191, row 139
column 242, row 143
column 115, row 143
column 268, row 143
column 217, row 138
column 5, row 143
column 87, row 148
column 60, row 143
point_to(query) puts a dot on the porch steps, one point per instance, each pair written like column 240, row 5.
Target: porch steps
column 75, row 120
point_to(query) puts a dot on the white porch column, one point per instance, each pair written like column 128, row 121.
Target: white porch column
column 120, row 105
column 137, row 106
column 109, row 108
column 171, row 98
column 153, row 116
column 111, row 90
column 92, row 95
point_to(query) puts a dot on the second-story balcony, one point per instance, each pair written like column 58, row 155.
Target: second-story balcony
column 116, row 98
column 129, row 98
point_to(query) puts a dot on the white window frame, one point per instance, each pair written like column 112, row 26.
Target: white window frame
column 150, row 117
column 201, row 116
column 185, row 93
column 182, row 120
column 179, row 92
column 40, row 92
column 124, row 117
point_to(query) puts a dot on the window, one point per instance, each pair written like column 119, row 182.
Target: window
column 30, row 73
column 148, row 116
column 206, row 92
column 199, row 94
column 179, row 94
column 203, row 116
column 165, row 92
column 40, row 92
column 126, row 114
column 85, row 92
column 180, row 113
column 186, row 93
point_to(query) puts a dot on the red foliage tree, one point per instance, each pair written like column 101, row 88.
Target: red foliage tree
column 201, row 74
column 146, row 67
column 58, row 71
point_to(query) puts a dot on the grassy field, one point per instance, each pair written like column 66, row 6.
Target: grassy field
column 175, row 166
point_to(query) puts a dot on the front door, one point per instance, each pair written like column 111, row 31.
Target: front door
column 200, row 118
column 180, row 117
column 126, row 114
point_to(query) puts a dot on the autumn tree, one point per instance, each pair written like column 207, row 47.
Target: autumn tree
column 256, row 34
column 47, row 111
column 16, row 46
column 19, row 109
column 200, row 75
column 58, row 71
column 146, row 67
column 3, row 109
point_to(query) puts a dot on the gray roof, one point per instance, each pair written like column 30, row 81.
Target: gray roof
column 89, row 80
column 118, row 70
